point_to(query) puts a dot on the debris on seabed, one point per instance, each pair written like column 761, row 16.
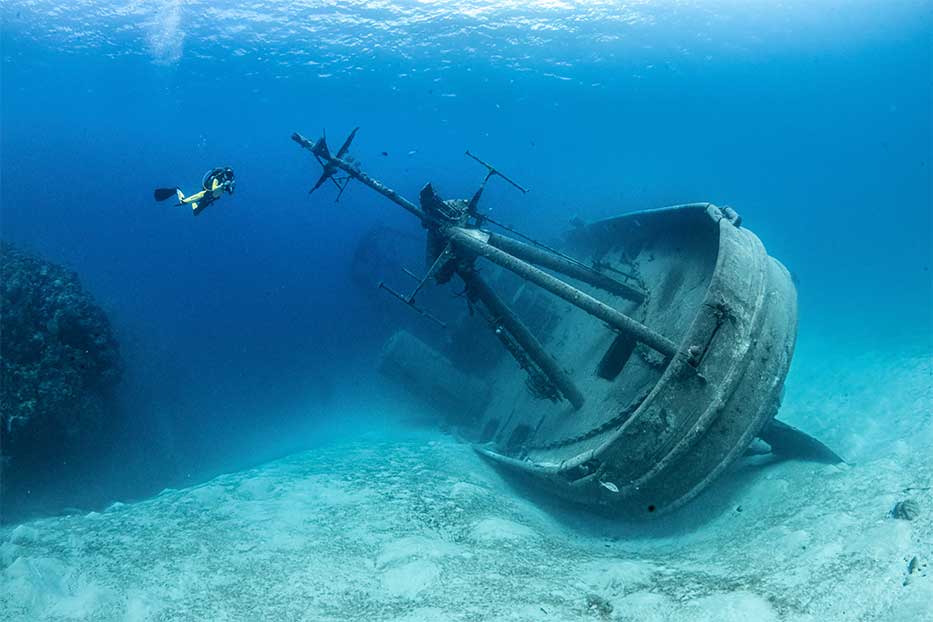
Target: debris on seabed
column 907, row 509
column 598, row 605
column 913, row 567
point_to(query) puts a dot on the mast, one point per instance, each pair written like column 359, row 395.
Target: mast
column 454, row 226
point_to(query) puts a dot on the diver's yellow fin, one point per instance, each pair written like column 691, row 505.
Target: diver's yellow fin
column 181, row 195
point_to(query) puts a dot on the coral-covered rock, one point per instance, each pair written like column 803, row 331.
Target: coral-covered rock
column 60, row 360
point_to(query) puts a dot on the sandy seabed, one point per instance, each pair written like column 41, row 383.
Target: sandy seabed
column 421, row 528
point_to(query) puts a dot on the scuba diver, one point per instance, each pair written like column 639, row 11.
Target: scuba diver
column 215, row 182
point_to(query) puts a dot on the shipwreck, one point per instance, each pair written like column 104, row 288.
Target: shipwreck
column 645, row 356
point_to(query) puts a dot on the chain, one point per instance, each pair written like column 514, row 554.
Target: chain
column 603, row 427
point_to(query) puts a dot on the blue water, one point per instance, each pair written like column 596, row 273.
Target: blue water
column 241, row 326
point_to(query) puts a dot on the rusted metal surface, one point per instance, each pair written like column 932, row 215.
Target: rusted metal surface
column 477, row 287
column 472, row 241
column 562, row 265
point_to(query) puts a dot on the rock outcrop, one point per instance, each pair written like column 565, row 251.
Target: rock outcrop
column 60, row 362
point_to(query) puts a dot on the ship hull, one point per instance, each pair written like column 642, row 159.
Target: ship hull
column 655, row 433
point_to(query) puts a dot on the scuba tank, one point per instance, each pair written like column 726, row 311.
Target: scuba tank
column 224, row 176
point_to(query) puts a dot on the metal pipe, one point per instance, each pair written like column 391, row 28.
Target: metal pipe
column 362, row 177
column 379, row 187
column 574, row 270
column 472, row 241
column 525, row 338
